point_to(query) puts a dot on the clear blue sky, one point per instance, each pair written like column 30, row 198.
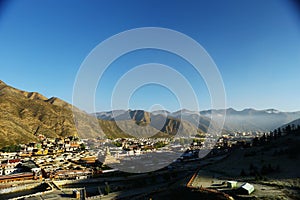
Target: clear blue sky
column 255, row 44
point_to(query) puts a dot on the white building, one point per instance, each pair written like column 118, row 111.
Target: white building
column 232, row 184
column 246, row 188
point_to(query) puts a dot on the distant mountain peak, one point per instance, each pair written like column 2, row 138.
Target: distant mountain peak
column 185, row 111
column 231, row 109
column 272, row 111
column 248, row 109
column 160, row 112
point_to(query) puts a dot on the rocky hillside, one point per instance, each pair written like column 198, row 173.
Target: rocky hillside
column 190, row 120
column 161, row 124
column 25, row 115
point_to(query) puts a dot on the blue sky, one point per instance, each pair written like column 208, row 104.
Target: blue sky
column 255, row 44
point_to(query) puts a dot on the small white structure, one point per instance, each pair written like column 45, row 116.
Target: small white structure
column 246, row 188
column 36, row 170
column 11, row 170
column 231, row 184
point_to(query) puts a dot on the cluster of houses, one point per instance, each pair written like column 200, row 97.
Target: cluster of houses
column 51, row 146
column 60, row 158
column 8, row 167
column 14, row 169
column 123, row 147
column 142, row 144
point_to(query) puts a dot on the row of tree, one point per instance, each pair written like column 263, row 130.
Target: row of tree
column 273, row 135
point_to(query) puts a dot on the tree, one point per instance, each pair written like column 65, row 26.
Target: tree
column 107, row 188
column 118, row 144
column 279, row 132
column 272, row 135
column 263, row 138
column 297, row 129
column 11, row 148
column 82, row 146
column 288, row 129
column 255, row 141
column 243, row 173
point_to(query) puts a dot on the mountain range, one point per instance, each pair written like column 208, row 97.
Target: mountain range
column 235, row 121
column 26, row 115
column 253, row 120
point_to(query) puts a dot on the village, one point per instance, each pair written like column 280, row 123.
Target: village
column 74, row 159
column 51, row 158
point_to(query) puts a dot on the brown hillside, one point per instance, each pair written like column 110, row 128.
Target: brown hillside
column 25, row 115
